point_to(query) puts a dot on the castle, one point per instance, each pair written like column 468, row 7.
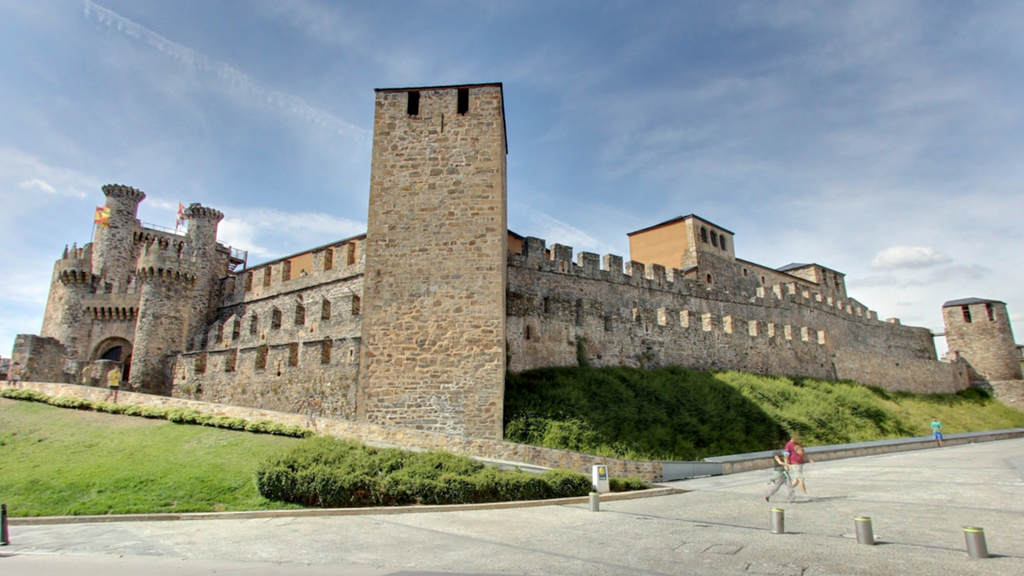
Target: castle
column 415, row 323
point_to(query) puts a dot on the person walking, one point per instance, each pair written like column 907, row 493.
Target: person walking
column 114, row 382
column 797, row 458
column 780, row 477
column 937, row 430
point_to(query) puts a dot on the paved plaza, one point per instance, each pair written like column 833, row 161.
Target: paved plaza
column 919, row 503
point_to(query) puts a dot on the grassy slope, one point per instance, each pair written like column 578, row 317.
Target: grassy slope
column 55, row 461
column 680, row 414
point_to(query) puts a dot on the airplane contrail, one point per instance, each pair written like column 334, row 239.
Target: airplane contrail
column 240, row 81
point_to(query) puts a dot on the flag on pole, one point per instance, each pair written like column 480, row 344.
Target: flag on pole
column 102, row 217
column 180, row 221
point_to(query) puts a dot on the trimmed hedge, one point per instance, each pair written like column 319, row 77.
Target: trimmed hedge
column 331, row 473
column 177, row 415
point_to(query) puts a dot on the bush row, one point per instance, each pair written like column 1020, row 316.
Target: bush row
column 332, row 473
column 178, row 415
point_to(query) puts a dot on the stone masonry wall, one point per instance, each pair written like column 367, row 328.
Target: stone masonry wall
column 38, row 358
column 986, row 342
column 281, row 342
column 646, row 317
column 902, row 374
column 381, row 434
column 433, row 346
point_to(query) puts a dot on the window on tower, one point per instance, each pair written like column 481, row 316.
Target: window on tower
column 414, row 102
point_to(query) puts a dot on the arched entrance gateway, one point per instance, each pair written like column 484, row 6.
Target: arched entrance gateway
column 116, row 349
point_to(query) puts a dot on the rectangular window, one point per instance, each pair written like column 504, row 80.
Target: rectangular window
column 275, row 319
column 325, row 352
column 293, row 354
column 229, row 360
column 356, row 304
column 350, row 254
column 200, row 364
column 991, row 314
column 414, row 103
column 325, row 310
column 248, row 281
column 328, row 259
column 236, row 329
column 254, row 325
column 266, row 276
column 261, row 357
column 463, row 100
column 300, row 315
column 967, row 313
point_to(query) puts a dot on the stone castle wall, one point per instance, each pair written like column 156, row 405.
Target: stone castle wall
column 433, row 345
column 640, row 316
column 284, row 343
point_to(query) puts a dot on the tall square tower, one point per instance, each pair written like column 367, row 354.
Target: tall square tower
column 432, row 354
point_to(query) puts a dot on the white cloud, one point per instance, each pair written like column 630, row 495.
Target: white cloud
column 902, row 257
column 256, row 229
column 37, row 184
column 26, row 172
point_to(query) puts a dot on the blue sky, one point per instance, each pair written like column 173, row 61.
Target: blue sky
column 882, row 139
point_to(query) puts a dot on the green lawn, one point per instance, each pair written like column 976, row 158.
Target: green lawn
column 679, row 414
column 56, row 461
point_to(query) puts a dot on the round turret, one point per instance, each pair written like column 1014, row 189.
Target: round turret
column 113, row 247
column 979, row 331
column 210, row 262
column 73, row 284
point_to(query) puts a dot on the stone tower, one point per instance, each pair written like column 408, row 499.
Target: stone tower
column 112, row 245
column 979, row 331
column 201, row 249
column 73, row 283
column 166, row 278
column 432, row 352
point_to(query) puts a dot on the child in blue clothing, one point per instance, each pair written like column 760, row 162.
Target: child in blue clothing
column 937, row 430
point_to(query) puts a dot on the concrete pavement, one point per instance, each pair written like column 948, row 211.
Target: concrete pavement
column 919, row 502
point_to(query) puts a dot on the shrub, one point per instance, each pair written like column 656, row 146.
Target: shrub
column 20, row 394
column 184, row 416
column 70, row 402
column 327, row 472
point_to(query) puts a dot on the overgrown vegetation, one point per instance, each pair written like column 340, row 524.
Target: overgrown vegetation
column 68, row 462
column 178, row 415
column 678, row 414
column 327, row 472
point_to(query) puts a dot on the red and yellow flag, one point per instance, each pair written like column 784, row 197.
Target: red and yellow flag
column 180, row 220
column 102, row 216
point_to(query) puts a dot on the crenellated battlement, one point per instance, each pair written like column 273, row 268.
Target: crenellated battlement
column 166, row 261
column 196, row 211
column 75, row 266
column 122, row 192
column 328, row 263
column 612, row 268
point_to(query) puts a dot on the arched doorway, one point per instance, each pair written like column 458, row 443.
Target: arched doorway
column 116, row 349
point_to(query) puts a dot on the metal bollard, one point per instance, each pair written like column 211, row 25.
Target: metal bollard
column 4, row 538
column 975, row 538
column 864, row 533
column 778, row 521
column 595, row 502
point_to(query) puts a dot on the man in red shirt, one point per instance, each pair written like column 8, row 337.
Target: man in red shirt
column 796, row 462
